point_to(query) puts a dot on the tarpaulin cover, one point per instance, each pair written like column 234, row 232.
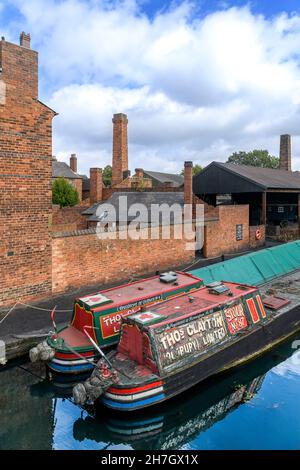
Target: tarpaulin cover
column 254, row 268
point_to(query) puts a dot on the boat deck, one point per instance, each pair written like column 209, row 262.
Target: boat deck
column 188, row 304
column 286, row 287
column 131, row 373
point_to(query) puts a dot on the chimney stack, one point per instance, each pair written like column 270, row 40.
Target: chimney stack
column 139, row 173
column 73, row 162
column 96, row 185
column 120, row 148
column 188, row 182
column 285, row 156
column 25, row 40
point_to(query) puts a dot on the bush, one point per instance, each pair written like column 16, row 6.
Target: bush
column 63, row 193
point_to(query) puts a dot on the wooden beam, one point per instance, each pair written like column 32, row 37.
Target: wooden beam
column 264, row 208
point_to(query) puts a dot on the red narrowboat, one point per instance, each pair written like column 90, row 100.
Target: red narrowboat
column 169, row 348
column 97, row 317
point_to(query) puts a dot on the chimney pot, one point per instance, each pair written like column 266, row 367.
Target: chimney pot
column 285, row 153
column 25, row 40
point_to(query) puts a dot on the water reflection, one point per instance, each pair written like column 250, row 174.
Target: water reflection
column 39, row 415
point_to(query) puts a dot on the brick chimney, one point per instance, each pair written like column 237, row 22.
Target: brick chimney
column 285, row 156
column 96, row 185
column 25, row 40
column 188, row 182
column 139, row 173
column 120, row 148
column 73, row 162
column 19, row 72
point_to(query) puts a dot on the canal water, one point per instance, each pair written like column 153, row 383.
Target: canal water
column 253, row 407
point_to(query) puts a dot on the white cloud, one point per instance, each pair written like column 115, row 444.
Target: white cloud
column 192, row 88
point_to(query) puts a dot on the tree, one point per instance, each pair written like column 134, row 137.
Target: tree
column 63, row 193
column 196, row 169
column 260, row 158
column 107, row 175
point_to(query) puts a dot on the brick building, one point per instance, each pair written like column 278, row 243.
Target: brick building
column 35, row 259
column 25, row 175
column 69, row 172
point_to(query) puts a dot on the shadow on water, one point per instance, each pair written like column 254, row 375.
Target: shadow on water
column 34, row 415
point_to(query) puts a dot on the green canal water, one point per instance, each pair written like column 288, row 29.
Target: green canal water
column 253, row 407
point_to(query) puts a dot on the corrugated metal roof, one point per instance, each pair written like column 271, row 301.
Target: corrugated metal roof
column 62, row 170
column 268, row 178
column 177, row 180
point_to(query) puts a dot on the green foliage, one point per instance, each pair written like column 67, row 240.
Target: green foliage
column 260, row 158
column 107, row 175
column 63, row 193
column 196, row 169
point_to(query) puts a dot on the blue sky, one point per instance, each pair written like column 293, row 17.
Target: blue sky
column 198, row 80
column 265, row 7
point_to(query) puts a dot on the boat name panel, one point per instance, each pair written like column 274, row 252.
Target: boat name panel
column 176, row 343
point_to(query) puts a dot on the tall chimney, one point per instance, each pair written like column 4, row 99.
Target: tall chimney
column 120, row 148
column 188, row 182
column 73, row 162
column 25, row 40
column 96, row 185
column 285, row 156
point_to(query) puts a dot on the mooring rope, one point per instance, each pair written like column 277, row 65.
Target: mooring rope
column 2, row 319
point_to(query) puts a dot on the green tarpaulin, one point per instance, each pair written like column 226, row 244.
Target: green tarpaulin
column 254, row 268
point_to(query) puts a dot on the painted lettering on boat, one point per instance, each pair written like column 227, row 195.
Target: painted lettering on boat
column 236, row 318
column 140, row 303
column 193, row 336
column 110, row 324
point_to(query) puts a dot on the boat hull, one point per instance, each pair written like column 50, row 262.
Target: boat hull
column 243, row 349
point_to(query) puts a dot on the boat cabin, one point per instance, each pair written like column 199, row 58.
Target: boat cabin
column 102, row 312
column 176, row 332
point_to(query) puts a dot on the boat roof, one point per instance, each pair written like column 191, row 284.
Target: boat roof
column 136, row 290
column 189, row 304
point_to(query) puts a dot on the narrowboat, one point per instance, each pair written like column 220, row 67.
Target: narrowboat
column 97, row 317
column 171, row 347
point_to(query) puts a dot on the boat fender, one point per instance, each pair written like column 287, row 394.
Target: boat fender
column 101, row 379
column 79, row 394
column 41, row 352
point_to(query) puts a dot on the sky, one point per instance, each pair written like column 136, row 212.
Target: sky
column 197, row 79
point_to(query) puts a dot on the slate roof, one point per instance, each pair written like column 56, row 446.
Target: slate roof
column 118, row 202
column 177, row 180
column 62, row 170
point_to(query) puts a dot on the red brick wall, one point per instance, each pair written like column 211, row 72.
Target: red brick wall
column 220, row 235
column 80, row 260
column 68, row 218
column 78, row 185
column 25, row 178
